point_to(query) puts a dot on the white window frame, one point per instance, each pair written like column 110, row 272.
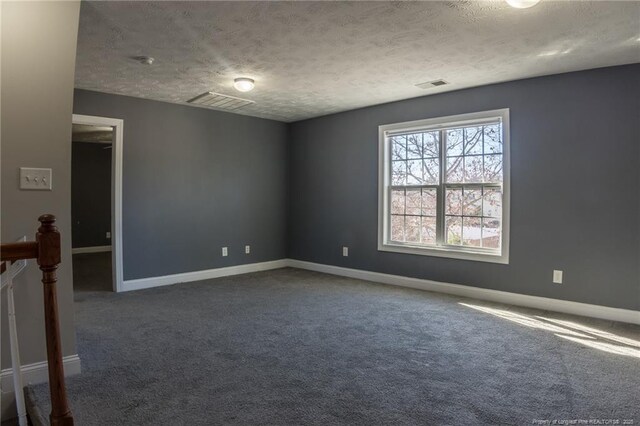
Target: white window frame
column 384, row 177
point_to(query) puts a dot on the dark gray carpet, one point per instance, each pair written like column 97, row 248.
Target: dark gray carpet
column 292, row 347
column 92, row 272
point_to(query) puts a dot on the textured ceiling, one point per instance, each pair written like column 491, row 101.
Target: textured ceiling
column 315, row 58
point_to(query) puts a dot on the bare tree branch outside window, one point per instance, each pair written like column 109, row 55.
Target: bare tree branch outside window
column 465, row 165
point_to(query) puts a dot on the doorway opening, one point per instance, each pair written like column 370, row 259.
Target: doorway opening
column 96, row 203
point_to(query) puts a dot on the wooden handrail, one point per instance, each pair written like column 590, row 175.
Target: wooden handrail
column 16, row 251
column 46, row 249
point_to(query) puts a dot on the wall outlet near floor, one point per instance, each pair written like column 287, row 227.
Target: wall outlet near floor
column 225, row 251
column 108, row 235
column 345, row 251
column 557, row 276
column 247, row 249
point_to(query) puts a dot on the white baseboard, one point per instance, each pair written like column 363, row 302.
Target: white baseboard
column 207, row 274
column 556, row 305
column 544, row 303
column 32, row 374
column 95, row 249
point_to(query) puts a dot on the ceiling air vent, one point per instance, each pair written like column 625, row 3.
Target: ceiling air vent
column 432, row 84
column 219, row 101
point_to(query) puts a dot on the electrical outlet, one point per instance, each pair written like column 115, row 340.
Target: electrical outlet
column 557, row 276
column 345, row 251
column 108, row 235
column 247, row 249
column 225, row 251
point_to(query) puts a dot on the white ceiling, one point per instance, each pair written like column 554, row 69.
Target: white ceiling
column 316, row 58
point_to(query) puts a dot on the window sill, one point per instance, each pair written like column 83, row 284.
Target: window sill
column 450, row 253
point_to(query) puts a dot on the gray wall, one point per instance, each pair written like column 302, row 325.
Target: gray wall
column 196, row 180
column 575, row 187
column 36, row 107
column 90, row 194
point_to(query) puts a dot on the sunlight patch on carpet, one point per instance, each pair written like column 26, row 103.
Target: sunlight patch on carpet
column 578, row 333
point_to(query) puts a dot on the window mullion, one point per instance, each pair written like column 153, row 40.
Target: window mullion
column 440, row 197
column 389, row 190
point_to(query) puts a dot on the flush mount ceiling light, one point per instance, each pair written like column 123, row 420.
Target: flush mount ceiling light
column 145, row 60
column 244, row 84
column 522, row 4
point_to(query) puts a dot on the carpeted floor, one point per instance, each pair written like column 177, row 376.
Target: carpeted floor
column 293, row 347
column 92, row 272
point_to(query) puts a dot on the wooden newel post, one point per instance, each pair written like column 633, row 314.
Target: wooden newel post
column 48, row 239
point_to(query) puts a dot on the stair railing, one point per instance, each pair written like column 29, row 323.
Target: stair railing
column 46, row 250
column 7, row 275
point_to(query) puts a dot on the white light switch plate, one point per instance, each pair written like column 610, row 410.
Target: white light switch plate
column 247, row 249
column 345, row 251
column 225, row 251
column 35, row 179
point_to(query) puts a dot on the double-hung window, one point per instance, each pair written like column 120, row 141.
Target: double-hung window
column 444, row 187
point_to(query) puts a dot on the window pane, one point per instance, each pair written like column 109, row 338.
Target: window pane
column 473, row 169
column 471, row 231
column 471, row 186
column 398, row 172
column 454, row 169
column 492, row 139
column 431, row 143
column 397, row 202
column 454, row 142
column 453, row 203
column 429, row 202
column 472, row 204
column 453, row 230
column 492, row 202
column 491, row 233
column 413, row 202
column 412, row 233
column 473, row 140
column 397, row 228
column 493, row 168
column 399, row 148
column 431, row 170
column 414, row 172
column 428, row 234
column 414, row 146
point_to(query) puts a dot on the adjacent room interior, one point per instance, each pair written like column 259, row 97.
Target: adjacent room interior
column 349, row 213
column 91, row 194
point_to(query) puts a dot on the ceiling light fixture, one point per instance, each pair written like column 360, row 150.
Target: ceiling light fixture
column 244, row 84
column 522, row 4
column 145, row 60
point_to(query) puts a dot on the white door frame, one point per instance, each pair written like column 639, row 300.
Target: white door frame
column 116, row 190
